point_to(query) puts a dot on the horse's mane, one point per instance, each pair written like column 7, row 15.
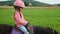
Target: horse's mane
column 44, row 30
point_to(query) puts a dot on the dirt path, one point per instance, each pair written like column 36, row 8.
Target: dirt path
column 30, row 7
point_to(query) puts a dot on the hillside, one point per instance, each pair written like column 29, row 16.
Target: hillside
column 6, row 3
column 35, row 3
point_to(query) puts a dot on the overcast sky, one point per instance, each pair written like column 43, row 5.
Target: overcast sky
column 45, row 1
column 50, row 1
column 3, row 0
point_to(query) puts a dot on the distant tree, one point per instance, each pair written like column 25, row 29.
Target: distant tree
column 58, row 4
column 26, row 4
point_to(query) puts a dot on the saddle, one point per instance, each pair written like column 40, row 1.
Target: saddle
column 29, row 28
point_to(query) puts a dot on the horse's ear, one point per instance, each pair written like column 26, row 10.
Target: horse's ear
column 55, row 32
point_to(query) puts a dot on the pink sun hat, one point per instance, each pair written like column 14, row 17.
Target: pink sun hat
column 19, row 3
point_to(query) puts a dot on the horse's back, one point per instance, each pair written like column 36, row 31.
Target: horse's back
column 5, row 29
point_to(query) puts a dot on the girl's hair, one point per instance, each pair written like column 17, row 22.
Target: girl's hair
column 16, row 7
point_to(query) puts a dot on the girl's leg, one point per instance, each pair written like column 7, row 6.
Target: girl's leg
column 22, row 28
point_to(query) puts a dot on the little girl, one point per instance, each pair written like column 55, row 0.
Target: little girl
column 18, row 16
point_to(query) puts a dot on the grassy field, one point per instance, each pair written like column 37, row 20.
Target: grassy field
column 46, row 17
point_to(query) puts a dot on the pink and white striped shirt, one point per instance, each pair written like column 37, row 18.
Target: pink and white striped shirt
column 19, row 18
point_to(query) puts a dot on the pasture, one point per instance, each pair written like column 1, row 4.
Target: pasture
column 44, row 16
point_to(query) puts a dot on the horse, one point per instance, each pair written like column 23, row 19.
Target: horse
column 8, row 29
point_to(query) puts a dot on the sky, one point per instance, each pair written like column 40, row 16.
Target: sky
column 45, row 1
column 3, row 0
column 49, row 1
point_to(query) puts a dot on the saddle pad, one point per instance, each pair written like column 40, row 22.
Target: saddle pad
column 17, row 31
column 14, row 31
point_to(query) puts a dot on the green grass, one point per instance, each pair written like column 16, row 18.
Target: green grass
column 46, row 17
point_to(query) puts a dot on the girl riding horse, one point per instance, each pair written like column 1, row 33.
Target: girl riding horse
column 19, row 17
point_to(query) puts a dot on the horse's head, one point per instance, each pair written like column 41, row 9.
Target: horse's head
column 52, row 30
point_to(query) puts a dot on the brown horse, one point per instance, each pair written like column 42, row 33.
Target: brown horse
column 7, row 29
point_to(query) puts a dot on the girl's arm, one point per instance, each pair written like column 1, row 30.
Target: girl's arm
column 23, row 16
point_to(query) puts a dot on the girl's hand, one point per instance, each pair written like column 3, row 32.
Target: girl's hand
column 26, row 21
